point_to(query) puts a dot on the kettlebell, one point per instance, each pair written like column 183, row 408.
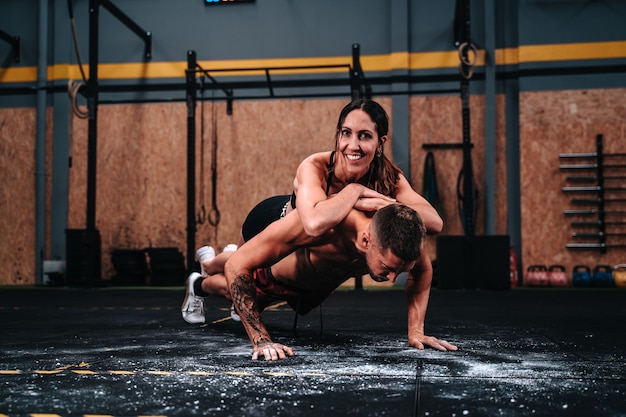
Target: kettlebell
column 602, row 276
column 619, row 275
column 557, row 276
column 537, row 276
column 581, row 276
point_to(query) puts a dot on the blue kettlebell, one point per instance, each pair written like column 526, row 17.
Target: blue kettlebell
column 581, row 276
column 602, row 276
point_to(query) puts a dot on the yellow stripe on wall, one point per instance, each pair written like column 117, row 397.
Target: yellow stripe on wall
column 18, row 75
column 572, row 51
column 507, row 56
column 413, row 61
column 369, row 63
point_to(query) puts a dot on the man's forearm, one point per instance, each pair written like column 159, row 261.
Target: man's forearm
column 418, row 293
column 417, row 300
column 243, row 293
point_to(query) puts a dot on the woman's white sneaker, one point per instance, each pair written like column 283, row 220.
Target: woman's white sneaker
column 205, row 253
column 233, row 314
column 231, row 247
column 193, row 305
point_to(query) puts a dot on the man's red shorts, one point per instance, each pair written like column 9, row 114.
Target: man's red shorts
column 268, row 291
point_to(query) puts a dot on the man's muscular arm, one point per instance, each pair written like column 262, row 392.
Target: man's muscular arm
column 243, row 292
column 418, row 284
column 278, row 240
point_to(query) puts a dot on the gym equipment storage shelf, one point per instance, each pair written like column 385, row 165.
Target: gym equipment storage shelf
column 600, row 205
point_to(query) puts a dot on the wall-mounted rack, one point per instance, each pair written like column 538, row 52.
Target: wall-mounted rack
column 598, row 199
column 16, row 44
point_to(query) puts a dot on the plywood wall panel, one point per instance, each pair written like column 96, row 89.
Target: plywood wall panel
column 435, row 120
column 438, row 120
column 141, row 186
column 501, row 168
column 259, row 148
column 17, row 196
column 141, row 178
column 77, row 176
column 558, row 122
column 141, row 182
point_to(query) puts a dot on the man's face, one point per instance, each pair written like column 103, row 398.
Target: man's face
column 383, row 265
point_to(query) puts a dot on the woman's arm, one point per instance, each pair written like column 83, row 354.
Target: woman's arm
column 318, row 212
column 409, row 197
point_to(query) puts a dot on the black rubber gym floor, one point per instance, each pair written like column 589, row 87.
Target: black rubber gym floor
column 127, row 352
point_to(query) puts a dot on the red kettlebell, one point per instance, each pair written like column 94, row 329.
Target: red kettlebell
column 537, row 276
column 557, row 276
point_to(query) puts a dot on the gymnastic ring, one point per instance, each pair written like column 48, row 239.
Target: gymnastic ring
column 468, row 47
column 214, row 216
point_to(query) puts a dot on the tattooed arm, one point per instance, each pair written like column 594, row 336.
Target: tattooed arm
column 277, row 241
column 243, row 292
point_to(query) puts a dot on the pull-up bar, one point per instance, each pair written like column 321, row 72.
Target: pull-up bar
column 356, row 81
column 356, row 78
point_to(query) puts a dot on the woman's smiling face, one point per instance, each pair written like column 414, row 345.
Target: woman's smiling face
column 358, row 142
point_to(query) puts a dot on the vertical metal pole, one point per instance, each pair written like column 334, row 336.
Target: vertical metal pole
column 191, row 158
column 91, row 233
column 513, row 181
column 92, row 105
column 40, row 149
column 355, row 81
column 61, row 157
column 490, row 118
column 463, row 38
column 400, row 101
column 508, row 13
column 355, row 74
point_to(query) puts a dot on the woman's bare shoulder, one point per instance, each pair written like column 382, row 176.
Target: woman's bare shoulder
column 317, row 158
column 316, row 163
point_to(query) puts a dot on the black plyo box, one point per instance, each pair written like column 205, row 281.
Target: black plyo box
column 473, row 262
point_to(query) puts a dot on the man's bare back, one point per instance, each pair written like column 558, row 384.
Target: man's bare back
column 324, row 262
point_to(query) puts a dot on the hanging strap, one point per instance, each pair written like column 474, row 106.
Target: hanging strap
column 466, row 191
column 214, row 214
column 201, row 214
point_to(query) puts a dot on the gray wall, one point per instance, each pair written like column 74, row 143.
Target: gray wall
column 269, row 29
